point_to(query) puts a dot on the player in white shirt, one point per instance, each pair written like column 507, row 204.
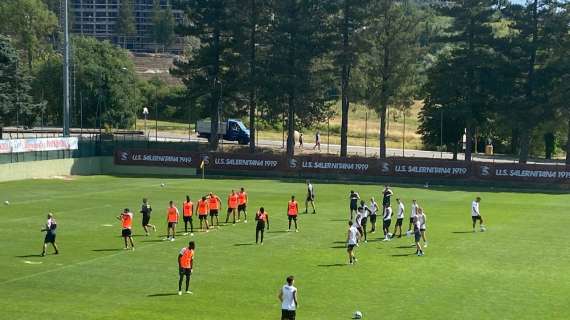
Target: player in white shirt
column 373, row 212
column 399, row 218
column 423, row 219
column 476, row 215
column 310, row 197
column 352, row 238
column 289, row 300
column 412, row 215
column 418, row 235
column 387, row 221
column 362, row 213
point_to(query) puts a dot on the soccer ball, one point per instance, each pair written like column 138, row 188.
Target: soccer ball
column 357, row 315
column 6, row 202
column 162, row 185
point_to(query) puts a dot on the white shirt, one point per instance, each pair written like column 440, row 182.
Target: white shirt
column 388, row 213
column 475, row 209
column 310, row 189
column 373, row 208
column 352, row 235
column 414, row 210
column 417, row 223
column 401, row 209
column 363, row 211
column 357, row 220
column 288, row 301
column 422, row 221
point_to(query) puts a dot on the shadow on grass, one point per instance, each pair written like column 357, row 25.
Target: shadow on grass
column 156, row 240
column 157, row 295
column 403, row 255
column 280, row 231
column 30, row 256
column 107, row 250
column 339, row 242
column 332, row 265
column 461, row 232
column 243, row 244
column 406, row 247
column 343, row 220
column 338, row 247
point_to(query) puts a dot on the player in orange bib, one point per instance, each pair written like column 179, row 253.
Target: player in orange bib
column 242, row 204
column 185, row 265
column 127, row 224
column 292, row 212
column 262, row 218
column 187, row 210
column 202, row 209
column 215, row 204
column 232, row 206
column 172, row 217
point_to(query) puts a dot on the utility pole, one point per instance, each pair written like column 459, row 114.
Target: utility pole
column 65, row 70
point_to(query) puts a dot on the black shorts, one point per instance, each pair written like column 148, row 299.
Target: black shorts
column 50, row 238
column 292, row 217
column 230, row 210
column 399, row 222
column 353, row 206
column 475, row 218
column 411, row 220
column 187, row 218
column 172, row 224
column 373, row 218
column 386, row 202
column 213, row 212
column 145, row 220
column 126, row 233
column 260, row 226
column 350, row 247
column 203, row 217
column 417, row 235
column 387, row 223
column 423, row 230
column 363, row 222
column 242, row 207
column 310, row 198
column 185, row 271
column 288, row 314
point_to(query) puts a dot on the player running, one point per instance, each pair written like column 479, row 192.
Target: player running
column 203, row 209
column 185, row 265
column 292, row 213
column 262, row 218
column 412, row 216
column 386, row 196
column 289, row 300
column 373, row 214
column 187, row 211
column 310, row 197
column 476, row 215
column 146, row 210
column 233, row 201
column 354, row 197
column 242, row 204
column 363, row 212
column 172, row 217
column 352, row 238
column 387, row 221
column 127, row 223
column 399, row 218
column 214, row 205
column 51, row 226
column 418, row 235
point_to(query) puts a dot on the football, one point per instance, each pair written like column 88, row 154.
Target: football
column 6, row 202
column 357, row 315
column 162, row 185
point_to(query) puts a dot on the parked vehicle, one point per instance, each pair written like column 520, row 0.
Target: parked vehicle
column 231, row 130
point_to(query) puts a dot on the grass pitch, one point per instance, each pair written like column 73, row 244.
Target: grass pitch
column 518, row 269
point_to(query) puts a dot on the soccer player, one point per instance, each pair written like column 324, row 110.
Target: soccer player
column 423, row 220
column 310, row 197
column 300, row 140
column 172, row 217
column 187, row 211
column 354, row 197
column 387, row 219
column 214, row 205
column 51, row 226
column 292, row 212
column 262, row 218
column 363, row 212
column 127, row 223
column 233, row 201
column 146, row 210
column 202, row 209
column 289, row 300
column 373, row 214
column 317, row 141
column 399, row 218
column 352, row 238
column 242, row 204
column 185, row 265
column 476, row 215
column 412, row 215
column 418, row 235
column 386, row 196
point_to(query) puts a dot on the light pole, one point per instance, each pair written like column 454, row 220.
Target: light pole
column 365, row 132
column 404, row 137
column 441, row 135
column 145, row 114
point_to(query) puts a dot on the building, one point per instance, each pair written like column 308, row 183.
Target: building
column 97, row 18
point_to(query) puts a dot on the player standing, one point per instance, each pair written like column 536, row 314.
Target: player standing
column 292, row 212
column 187, row 210
column 352, row 238
column 412, row 216
column 418, row 235
column 262, row 218
column 399, row 218
column 127, row 224
column 386, row 196
column 363, row 212
column 373, row 214
column 232, row 206
column 423, row 224
column 185, row 265
column 242, row 204
column 354, row 197
column 203, row 209
column 289, row 300
column 476, row 215
column 172, row 217
column 51, row 226
column 310, row 197
column 146, row 210
column 387, row 221
column 214, row 206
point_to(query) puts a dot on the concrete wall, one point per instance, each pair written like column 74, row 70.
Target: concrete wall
column 81, row 167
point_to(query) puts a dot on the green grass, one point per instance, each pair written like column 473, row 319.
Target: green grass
column 516, row 270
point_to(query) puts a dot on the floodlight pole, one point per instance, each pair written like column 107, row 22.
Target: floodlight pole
column 66, row 101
